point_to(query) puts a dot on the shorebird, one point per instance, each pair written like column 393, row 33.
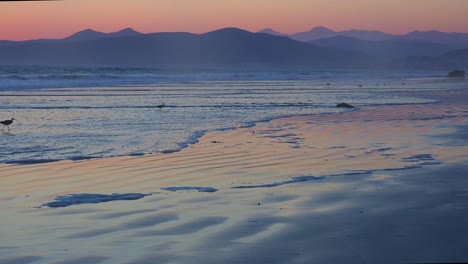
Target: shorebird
column 7, row 123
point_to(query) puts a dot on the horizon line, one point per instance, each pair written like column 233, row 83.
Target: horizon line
column 232, row 27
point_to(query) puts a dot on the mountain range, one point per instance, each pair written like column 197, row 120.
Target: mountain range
column 393, row 48
column 229, row 47
column 323, row 32
column 237, row 48
column 90, row 34
column 452, row 40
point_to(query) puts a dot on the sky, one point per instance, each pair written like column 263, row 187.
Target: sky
column 58, row 19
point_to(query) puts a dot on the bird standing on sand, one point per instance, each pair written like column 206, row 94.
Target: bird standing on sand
column 7, row 123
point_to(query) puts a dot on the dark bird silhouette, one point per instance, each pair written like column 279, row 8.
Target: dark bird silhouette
column 160, row 106
column 7, row 123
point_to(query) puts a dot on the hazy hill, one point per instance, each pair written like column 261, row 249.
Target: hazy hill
column 455, row 59
column 366, row 34
column 393, row 48
column 226, row 47
column 453, row 40
column 233, row 47
column 272, row 32
column 456, row 40
column 313, row 34
column 89, row 34
column 86, row 35
column 127, row 32
column 5, row 43
column 461, row 54
column 323, row 32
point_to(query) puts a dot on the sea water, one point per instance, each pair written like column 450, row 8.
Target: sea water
column 83, row 113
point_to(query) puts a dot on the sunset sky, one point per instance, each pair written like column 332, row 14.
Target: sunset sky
column 57, row 19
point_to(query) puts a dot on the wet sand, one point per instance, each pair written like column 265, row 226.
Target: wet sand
column 373, row 185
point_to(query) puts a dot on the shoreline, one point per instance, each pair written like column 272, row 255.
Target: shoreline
column 40, row 142
column 210, row 138
column 379, row 185
column 195, row 137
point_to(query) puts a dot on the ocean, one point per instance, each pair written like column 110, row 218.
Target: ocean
column 84, row 113
column 382, row 182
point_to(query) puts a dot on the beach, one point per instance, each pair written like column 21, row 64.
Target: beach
column 377, row 184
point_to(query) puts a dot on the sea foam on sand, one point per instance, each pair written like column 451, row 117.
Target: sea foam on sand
column 378, row 185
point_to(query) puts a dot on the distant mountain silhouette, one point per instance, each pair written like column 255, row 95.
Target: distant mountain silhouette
column 394, row 48
column 461, row 54
column 323, row 32
column 313, row 34
column 89, row 34
column 236, row 48
column 366, row 34
column 228, row 47
column 86, row 35
column 5, row 42
column 455, row 40
column 127, row 32
column 272, row 32
column 456, row 58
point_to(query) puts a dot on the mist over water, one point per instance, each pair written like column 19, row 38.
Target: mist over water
column 87, row 113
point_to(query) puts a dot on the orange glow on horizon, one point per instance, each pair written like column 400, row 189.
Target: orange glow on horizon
column 31, row 20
